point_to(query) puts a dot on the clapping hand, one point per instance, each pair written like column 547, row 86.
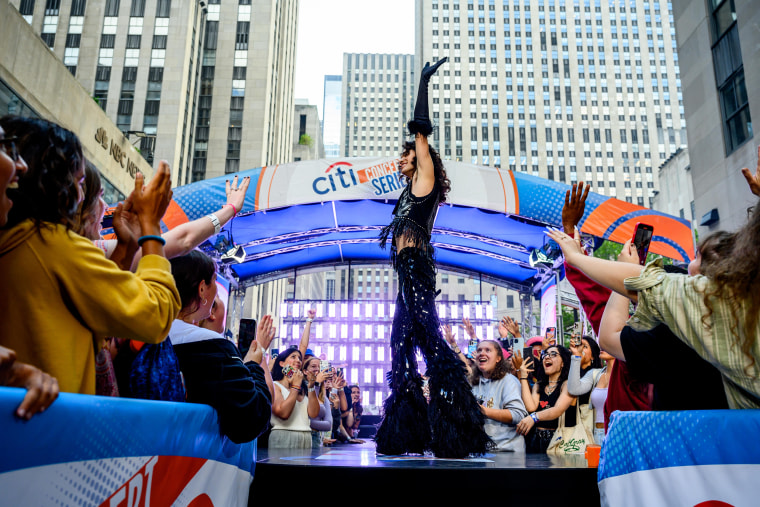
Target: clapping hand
column 265, row 332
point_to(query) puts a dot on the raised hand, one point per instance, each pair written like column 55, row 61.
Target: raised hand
column 448, row 335
column 508, row 325
column 570, row 244
column 575, row 205
column 125, row 223
column 629, row 253
column 236, row 193
column 265, row 332
column 469, row 328
column 150, row 201
column 428, row 70
column 753, row 181
column 311, row 314
column 255, row 353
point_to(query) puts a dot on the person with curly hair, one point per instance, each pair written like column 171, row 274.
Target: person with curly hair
column 498, row 393
column 451, row 425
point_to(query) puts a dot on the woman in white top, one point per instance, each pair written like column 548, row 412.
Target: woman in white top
column 293, row 403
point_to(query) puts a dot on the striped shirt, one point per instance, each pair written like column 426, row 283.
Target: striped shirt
column 678, row 302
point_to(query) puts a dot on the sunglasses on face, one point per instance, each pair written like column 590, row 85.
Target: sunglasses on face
column 9, row 147
column 553, row 353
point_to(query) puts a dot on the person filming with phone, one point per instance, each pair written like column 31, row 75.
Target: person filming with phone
column 294, row 403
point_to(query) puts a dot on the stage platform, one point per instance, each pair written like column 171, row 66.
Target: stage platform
column 353, row 472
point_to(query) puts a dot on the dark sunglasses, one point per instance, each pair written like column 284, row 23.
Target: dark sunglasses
column 10, row 142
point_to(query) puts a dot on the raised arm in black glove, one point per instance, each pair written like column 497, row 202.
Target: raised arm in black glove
column 421, row 123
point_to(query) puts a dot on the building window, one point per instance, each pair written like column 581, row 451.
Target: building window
column 729, row 76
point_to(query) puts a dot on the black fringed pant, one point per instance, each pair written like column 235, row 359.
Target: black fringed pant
column 451, row 424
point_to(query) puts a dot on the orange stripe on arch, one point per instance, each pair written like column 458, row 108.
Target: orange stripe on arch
column 258, row 188
column 515, row 192
column 269, row 192
column 174, row 215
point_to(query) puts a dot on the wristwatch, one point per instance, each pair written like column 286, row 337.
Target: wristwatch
column 215, row 222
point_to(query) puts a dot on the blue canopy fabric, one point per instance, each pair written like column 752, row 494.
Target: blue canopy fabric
column 330, row 212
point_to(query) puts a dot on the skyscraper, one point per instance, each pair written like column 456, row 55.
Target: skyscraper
column 569, row 90
column 378, row 99
column 331, row 115
column 208, row 87
column 721, row 94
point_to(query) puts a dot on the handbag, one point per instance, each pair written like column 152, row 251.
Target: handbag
column 570, row 440
column 155, row 373
column 587, row 410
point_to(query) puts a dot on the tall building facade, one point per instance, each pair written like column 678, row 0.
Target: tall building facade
column 569, row 90
column 377, row 100
column 206, row 85
column 719, row 46
column 331, row 114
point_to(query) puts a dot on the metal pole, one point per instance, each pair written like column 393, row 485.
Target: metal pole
column 560, row 335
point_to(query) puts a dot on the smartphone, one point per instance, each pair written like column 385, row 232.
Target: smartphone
column 472, row 347
column 246, row 335
column 288, row 371
column 340, row 372
column 527, row 353
column 551, row 334
column 324, row 365
column 642, row 236
column 275, row 353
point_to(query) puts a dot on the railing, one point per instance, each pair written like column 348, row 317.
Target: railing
column 93, row 450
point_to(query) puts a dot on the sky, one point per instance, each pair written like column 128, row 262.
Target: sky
column 329, row 28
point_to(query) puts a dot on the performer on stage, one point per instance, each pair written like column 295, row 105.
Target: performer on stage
column 451, row 425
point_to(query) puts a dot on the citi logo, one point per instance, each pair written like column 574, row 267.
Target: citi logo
column 384, row 178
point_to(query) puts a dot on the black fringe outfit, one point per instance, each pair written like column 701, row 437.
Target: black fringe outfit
column 451, row 424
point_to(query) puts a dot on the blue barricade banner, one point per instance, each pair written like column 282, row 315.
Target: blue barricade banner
column 707, row 458
column 98, row 451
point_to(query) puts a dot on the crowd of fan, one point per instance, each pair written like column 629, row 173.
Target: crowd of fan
column 91, row 316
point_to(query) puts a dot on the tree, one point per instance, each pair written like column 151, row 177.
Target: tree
column 306, row 140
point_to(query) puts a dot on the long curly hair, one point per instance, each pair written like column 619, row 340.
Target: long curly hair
column 735, row 279
column 444, row 185
column 49, row 191
column 500, row 370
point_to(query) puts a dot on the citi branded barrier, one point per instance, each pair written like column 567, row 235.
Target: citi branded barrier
column 97, row 451
column 708, row 458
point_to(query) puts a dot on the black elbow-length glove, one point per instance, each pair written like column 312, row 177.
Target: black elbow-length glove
column 421, row 123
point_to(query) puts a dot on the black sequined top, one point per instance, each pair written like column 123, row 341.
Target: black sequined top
column 413, row 218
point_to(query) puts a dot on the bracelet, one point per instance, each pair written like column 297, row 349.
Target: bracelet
column 295, row 388
column 215, row 221
column 523, row 378
column 150, row 237
column 534, row 416
column 457, row 351
column 309, row 319
column 233, row 207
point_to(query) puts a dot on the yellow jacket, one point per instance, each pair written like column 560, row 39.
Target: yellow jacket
column 59, row 295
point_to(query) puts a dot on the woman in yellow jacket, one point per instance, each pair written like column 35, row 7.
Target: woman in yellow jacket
column 60, row 294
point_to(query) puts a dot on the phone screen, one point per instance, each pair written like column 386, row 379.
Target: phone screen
column 246, row 335
column 642, row 237
column 551, row 334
